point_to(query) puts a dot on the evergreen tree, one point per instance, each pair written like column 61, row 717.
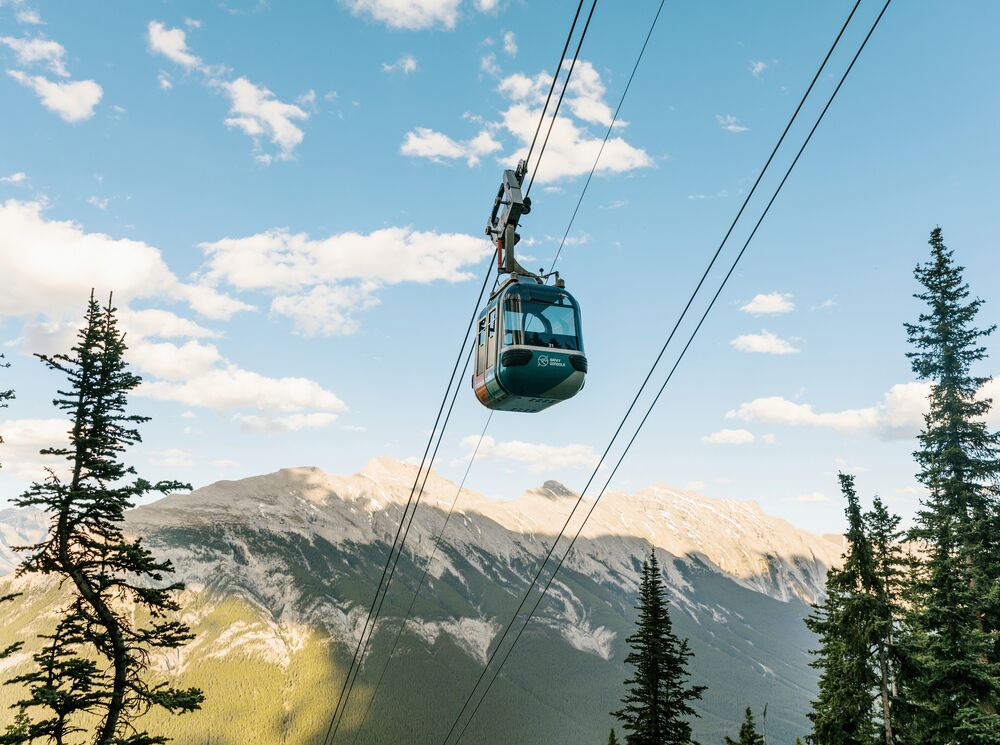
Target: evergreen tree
column 612, row 738
column 97, row 659
column 885, row 539
column 657, row 701
column 951, row 677
column 842, row 713
column 748, row 732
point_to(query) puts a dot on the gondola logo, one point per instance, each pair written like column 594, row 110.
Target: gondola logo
column 543, row 361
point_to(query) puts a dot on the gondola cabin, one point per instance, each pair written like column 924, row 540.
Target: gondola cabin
column 529, row 347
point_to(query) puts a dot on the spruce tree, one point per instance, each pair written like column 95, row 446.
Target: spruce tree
column 748, row 732
column 612, row 738
column 842, row 712
column 97, row 659
column 885, row 539
column 657, row 702
column 951, row 679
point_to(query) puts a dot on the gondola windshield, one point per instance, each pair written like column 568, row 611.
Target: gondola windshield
column 549, row 322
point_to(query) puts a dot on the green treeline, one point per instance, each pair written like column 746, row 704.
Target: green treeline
column 909, row 641
column 909, row 632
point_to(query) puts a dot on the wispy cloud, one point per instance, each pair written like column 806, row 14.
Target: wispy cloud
column 757, row 67
column 771, row 303
column 809, row 497
column 510, row 43
column 899, row 415
column 730, row 123
column 254, row 109
column 406, row 64
column 763, row 343
column 538, row 456
column 73, row 102
column 729, row 437
column 38, row 51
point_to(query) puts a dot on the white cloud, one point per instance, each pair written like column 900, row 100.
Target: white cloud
column 281, row 259
column 259, row 113
column 29, row 16
column 50, row 267
column 253, row 109
column 488, row 64
column 409, row 14
column 572, row 147
column 157, row 323
column 763, row 343
column 169, row 361
column 290, row 423
column 426, row 143
column 100, row 202
column 327, row 309
column 406, row 64
column 510, row 43
column 539, row 456
column 769, row 304
column 757, row 67
column 487, row 6
column 225, row 463
column 729, row 437
column 22, row 441
column 232, row 388
column 172, row 44
column 172, row 457
column 192, row 23
column 46, row 52
column 810, row 497
column 322, row 284
column 899, row 415
column 15, row 178
column 72, row 101
column 730, row 123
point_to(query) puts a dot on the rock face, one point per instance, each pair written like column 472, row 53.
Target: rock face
column 281, row 569
column 18, row 528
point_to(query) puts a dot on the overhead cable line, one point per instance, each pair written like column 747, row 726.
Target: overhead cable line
column 376, row 605
column 562, row 94
column 423, row 577
column 395, row 561
column 555, row 78
column 649, row 375
column 607, row 134
column 341, row 701
column 676, row 364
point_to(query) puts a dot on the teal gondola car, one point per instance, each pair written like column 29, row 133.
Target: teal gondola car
column 529, row 347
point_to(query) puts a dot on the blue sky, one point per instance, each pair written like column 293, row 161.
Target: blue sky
column 288, row 201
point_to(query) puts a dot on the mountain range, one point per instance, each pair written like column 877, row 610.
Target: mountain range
column 281, row 568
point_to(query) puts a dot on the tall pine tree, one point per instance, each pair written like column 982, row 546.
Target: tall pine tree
column 97, row 659
column 951, row 678
column 657, row 703
column 890, row 563
column 612, row 738
column 842, row 712
column 748, row 732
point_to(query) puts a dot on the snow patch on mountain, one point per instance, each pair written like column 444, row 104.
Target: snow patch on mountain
column 474, row 635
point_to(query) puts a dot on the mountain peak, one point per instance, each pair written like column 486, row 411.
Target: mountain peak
column 554, row 490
